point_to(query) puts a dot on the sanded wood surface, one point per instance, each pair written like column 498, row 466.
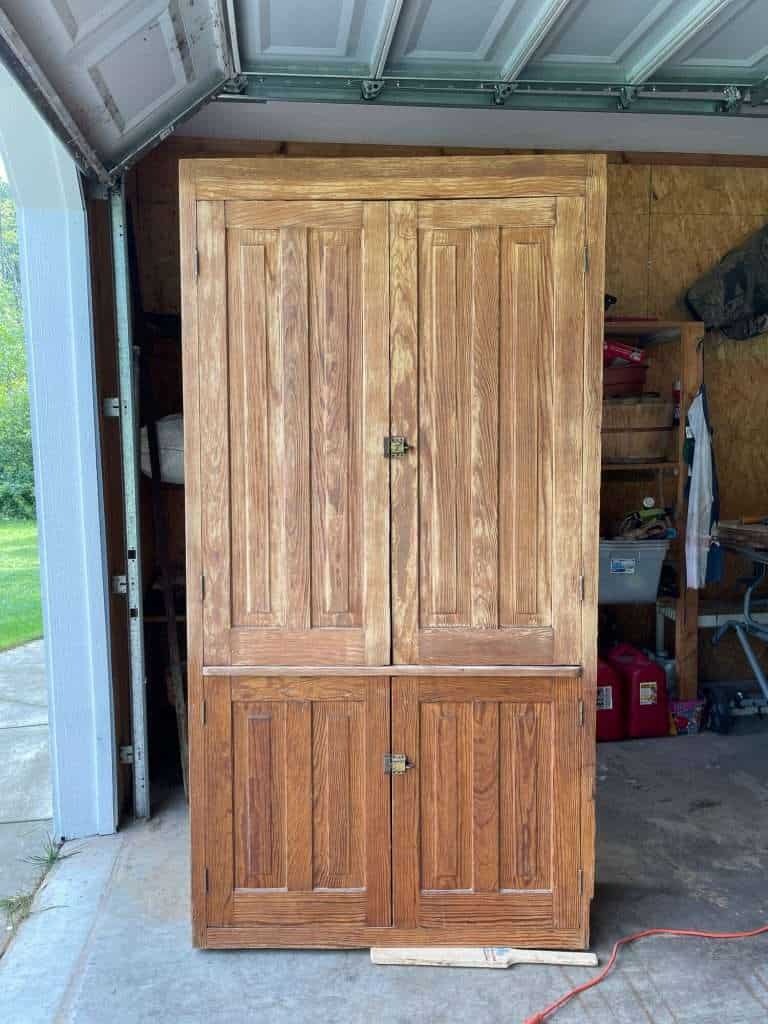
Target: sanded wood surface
column 388, row 177
column 493, row 800
column 512, row 672
column 474, row 280
column 294, row 403
column 298, row 802
column 487, row 386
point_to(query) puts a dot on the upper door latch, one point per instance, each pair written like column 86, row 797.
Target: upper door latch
column 397, row 764
column 395, row 445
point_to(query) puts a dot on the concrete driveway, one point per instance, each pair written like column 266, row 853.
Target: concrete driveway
column 25, row 774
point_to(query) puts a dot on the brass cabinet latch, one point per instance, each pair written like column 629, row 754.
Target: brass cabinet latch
column 395, row 446
column 397, row 764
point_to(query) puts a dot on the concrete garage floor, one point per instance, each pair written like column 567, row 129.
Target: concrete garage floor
column 683, row 842
column 25, row 782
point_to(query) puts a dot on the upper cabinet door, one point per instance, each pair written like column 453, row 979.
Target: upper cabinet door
column 487, row 327
column 294, row 357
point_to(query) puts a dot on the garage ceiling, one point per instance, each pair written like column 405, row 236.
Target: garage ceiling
column 114, row 76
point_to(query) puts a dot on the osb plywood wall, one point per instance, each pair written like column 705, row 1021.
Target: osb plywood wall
column 668, row 222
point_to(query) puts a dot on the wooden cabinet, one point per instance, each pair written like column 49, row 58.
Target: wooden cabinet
column 392, row 396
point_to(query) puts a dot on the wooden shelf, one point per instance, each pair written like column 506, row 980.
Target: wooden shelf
column 629, row 467
column 649, row 332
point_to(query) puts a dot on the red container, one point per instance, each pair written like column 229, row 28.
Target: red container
column 611, row 712
column 619, row 381
column 645, row 691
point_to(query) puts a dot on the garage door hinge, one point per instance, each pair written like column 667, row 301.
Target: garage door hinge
column 586, row 259
column 126, row 754
column 581, row 712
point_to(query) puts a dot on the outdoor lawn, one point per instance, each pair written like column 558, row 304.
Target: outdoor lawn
column 20, row 616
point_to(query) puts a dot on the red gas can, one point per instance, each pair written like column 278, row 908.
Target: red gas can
column 645, row 690
column 611, row 710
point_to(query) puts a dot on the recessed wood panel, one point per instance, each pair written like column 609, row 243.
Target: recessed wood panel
column 300, row 780
column 491, row 799
column 297, row 546
column 476, row 502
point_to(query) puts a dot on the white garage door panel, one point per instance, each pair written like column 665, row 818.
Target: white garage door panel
column 125, row 70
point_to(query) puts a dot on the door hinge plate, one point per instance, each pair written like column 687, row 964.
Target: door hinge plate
column 202, row 587
column 126, row 754
column 581, row 880
column 396, row 764
column 205, row 878
column 582, row 587
column 586, row 259
column 111, row 407
column 204, row 713
column 581, row 712
column 395, row 446
column 197, row 263
column 120, row 584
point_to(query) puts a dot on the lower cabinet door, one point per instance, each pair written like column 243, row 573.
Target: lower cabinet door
column 297, row 804
column 486, row 825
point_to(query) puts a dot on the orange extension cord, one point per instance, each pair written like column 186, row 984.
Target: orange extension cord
column 539, row 1018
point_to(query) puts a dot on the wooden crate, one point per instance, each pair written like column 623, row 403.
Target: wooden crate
column 637, row 429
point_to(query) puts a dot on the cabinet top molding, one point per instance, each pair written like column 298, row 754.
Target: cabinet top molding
column 390, row 177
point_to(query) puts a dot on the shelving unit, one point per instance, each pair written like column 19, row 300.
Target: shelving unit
column 688, row 335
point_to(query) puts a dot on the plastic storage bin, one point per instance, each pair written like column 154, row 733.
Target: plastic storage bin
column 630, row 570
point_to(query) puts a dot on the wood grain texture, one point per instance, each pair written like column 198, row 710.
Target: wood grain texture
column 295, row 406
column 375, row 424
column 445, row 214
column 298, row 803
column 255, row 429
column 323, row 216
column 568, row 411
column 404, row 479
column 193, row 533
column 494, row 798
column 219, row 843
column 520, row 933
column 214, row 430
column 590, row 531
column 474, row 516
column 389, row 177
column 506, row 671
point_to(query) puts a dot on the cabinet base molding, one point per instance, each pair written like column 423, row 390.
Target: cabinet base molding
column 330, row 937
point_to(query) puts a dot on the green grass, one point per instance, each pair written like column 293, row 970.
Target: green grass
column 20, row 615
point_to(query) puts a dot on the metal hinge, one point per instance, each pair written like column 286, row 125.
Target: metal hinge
column 396, row 445
column 204, row 713
column 126, row 754
column 197, row 263
column 202, row 587
column 582, row 587
column 581, row 880
column 111, row 407
column 119, row 584
column 586, row 259
column 581, row 712
column 205, row 878
column 396, row 764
